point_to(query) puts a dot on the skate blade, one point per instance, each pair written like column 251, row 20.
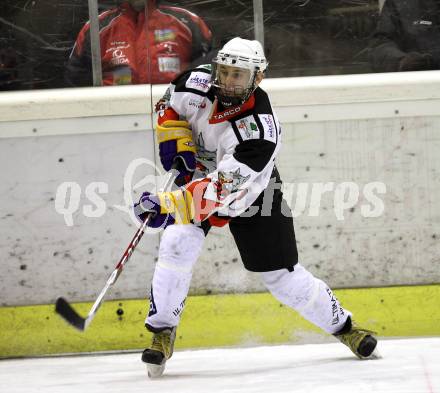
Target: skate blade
column 374, row 355
column 155, row 370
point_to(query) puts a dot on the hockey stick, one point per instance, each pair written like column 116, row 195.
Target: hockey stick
column 62, row 306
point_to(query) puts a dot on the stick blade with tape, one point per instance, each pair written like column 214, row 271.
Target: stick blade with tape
column 63, row 308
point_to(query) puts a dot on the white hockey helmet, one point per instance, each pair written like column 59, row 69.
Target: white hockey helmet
column 239, row 53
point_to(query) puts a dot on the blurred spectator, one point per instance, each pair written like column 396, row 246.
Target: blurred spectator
column 8, row 69
column 407, row 37
column 141, row 42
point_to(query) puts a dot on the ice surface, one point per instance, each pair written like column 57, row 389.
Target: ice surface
column 407, row 366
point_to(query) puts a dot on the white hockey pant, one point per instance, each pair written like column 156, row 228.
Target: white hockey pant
column 307, row 295
column 179, row 250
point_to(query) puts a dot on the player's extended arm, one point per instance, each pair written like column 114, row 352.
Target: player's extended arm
column 200, row 199
column 182, row 206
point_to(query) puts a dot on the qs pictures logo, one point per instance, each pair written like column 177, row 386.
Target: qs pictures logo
column 72, row 199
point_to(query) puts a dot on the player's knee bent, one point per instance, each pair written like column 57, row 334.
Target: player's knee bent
column 180, row 246
column 294, row 289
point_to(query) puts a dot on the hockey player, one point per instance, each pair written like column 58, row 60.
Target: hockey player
column 221, row 124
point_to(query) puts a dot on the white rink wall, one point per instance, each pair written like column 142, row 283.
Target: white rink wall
column 354, row 136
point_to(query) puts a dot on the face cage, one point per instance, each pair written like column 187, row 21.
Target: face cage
column 235, row 100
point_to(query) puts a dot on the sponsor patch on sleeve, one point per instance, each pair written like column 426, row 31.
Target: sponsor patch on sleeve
column 248, row 128
column 270, row 130
column 198, row 81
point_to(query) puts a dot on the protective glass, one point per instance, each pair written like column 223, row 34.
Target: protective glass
column 53, row 43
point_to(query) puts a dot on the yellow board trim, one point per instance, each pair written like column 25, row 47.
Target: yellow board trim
column 216, row 321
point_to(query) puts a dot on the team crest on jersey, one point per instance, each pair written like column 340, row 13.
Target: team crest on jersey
column 164, row 35
column 248, row 128
column 206, row 159
column 229, row 182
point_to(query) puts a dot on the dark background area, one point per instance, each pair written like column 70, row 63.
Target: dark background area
column 301, row 37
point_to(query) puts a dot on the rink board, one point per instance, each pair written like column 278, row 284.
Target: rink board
column 216, row 321
column 345, row 132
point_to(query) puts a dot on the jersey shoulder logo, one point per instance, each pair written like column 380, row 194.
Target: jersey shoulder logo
column 198, row 81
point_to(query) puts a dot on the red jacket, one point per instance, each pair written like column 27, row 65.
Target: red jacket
column 172, row 38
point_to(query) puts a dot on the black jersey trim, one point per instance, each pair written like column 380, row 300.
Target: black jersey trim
column 236, row 132
column 255, row 153
column 261, row 107
column 262, row 103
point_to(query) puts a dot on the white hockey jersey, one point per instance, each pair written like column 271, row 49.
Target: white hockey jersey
column 236, row 146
